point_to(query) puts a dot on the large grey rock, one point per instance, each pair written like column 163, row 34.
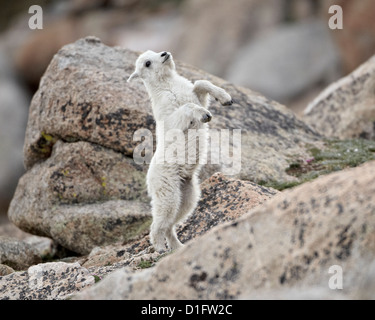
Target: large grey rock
column 287, row 61
column 346, row 109
column 48, row 281
column 286, row 245
column 222, row 199
column 83, row 196
column 107, row 112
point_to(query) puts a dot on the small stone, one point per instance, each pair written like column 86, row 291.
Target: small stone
column 17, row 254
column 5, row 270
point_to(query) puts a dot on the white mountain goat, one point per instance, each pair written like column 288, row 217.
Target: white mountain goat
column 177, row 104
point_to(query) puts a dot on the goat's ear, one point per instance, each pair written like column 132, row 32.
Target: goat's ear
column 133, row 76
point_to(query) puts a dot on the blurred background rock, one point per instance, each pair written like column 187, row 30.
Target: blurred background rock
column 281, row 48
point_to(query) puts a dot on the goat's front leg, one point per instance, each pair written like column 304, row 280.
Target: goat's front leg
column 203, row 87
column 185, row 116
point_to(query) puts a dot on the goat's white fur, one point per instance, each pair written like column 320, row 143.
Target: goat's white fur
column 179, row 104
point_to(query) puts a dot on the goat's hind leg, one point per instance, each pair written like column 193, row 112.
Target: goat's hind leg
column 190, row 194
column 162, row 226
column 166, row 200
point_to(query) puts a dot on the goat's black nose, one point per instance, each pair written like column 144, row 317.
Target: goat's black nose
column 163, row 54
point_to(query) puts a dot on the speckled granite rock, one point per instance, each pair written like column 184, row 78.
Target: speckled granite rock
column 83, row 96
column 17, row 254
column 48, row 281
column 83, row 196
column 288, row 243
column 223, row 199
column 346, row 109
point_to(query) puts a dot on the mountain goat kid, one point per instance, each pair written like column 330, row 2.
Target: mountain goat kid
column 177, row 104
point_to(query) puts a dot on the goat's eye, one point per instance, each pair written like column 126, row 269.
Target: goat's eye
column 148, row 63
